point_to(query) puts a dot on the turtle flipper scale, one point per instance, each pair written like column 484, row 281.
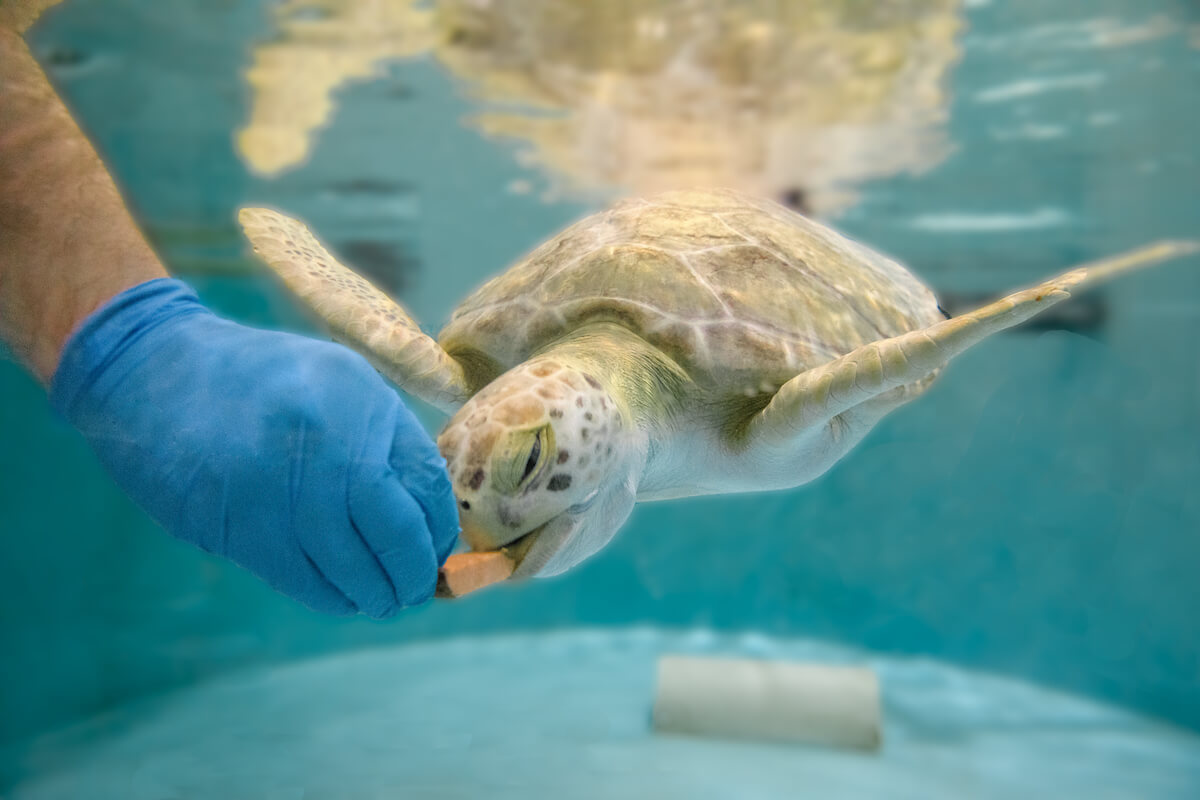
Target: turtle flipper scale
column 359, row 315
column 816, row 396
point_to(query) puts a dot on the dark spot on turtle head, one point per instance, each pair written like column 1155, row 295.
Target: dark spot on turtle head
column 584, row 434
column 579, row 401
column 608, row 450
column 558, row 482
column 556, row 413
column 476, row 480
column 589, row 416
column 796, row 199
column 563, row 455
column 466, row 505
column 595, row 384
column 508, row 518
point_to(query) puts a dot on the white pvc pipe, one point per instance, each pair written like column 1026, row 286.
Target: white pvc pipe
column 769, row 700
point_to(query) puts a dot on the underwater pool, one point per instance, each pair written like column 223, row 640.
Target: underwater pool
column 571, row 718
column 1016, row 552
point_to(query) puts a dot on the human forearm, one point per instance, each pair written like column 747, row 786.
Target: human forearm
column 67, row 243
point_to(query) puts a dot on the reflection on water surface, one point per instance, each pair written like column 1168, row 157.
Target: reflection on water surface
column 798, row 101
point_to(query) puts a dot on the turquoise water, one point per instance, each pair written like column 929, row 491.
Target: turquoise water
column 571, row 720
column 1034, row 515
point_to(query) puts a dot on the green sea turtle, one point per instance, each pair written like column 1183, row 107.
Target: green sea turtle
column 694, row 343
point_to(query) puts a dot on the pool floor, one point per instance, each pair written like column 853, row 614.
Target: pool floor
column 567, row 715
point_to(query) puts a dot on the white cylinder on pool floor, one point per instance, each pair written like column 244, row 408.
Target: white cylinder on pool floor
column 817, row 704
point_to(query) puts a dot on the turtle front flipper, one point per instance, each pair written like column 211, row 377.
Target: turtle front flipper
column 359, row 315
column 21, row 14
column 813, row 398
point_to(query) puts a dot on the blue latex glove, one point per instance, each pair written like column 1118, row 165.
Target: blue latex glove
column 290, row 456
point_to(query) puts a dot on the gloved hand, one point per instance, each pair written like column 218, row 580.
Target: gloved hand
column 289, row 456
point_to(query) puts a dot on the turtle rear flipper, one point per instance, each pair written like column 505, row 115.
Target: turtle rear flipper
column 359, row 315
column 816, row 396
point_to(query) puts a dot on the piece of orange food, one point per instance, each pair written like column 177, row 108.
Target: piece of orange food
column 464, row 573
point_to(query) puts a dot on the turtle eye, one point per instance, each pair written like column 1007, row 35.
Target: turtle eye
column 519, row 461
column 541, row 444
column 535, row 455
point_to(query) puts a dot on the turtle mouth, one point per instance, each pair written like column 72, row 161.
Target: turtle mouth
column 534, row 550
column 518, row 549
column 531, row 551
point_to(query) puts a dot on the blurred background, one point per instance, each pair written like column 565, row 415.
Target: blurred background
column 1035, row 515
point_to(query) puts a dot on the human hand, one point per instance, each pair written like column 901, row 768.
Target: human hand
column 290, row 456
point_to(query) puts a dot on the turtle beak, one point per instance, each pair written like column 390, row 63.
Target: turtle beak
column 559, row 544
column 535, row 549
column 530, row 551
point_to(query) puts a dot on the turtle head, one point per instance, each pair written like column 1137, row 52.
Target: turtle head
column 541, row 461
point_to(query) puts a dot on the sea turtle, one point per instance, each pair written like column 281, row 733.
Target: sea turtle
column 693, row 343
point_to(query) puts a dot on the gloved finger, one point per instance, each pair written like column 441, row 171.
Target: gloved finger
column 335, row 548
column 294, row 574
column 438, row 507
column 422, row 471
column 393, row 525
column 319, row 594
